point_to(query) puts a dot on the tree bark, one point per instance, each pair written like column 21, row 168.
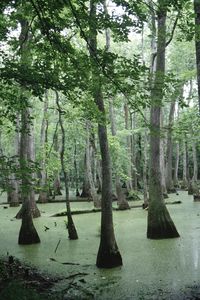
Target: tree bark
column 93, row 192
column 197, row 44
column 14, row 192
column 108, row 254
column 44, row 188
column 162, row 157
column 169, row 180
column 176, row 183
column 185, row 169
column 70, row 225
column 121, row 199
column 160, row 224
column 128, row 146
column 28, row 233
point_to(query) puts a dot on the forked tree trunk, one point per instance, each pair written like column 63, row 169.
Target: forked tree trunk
column 44, row 188
column 121, row 199
column 93, row 192
column 108, row 254
column 70, row 223
column 160, row 224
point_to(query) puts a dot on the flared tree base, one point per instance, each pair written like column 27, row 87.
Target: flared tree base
column 14, row 204
column 161, row 226
column 123, row 205
column 72, row 233
column 28, row 234
column 196, row 198
column 43, row 197
column 34, row 211
column 165, row 195
column 108, row 258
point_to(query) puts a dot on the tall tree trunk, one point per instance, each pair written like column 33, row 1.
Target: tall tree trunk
column 145, row 167
column 128, row 145
column 176, row 183
column 70, row 225
column 76, row 170
column 133, row 153
column 162, row 157
column 169, row 180
column 86, row 187
column 14, row 192
column 89, row 149
column 121, row 199
column 108, row 254
column 28, row 233
column 56, row 183
column 160, row 224
column 44, row 192
column 27, row 156
column 31, row 159
column 185, row 168
column 197, row 43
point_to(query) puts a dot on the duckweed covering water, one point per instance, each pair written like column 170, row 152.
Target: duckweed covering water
column 152, row 269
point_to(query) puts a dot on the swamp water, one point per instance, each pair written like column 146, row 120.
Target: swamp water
column 164, row 269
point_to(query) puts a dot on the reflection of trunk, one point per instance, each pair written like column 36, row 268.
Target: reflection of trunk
column 89, row 150
column 43, row 194
column 169, row 181
column 128, row 143
column 176, row 184
column 160, row 224
column 108, row 254
column 70, row 225
column 122, row 202
column 162, row 158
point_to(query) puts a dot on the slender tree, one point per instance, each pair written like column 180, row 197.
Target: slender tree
column 108, row 254
column 70, row 223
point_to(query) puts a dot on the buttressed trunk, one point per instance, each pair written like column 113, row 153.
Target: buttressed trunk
column 160, row 224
